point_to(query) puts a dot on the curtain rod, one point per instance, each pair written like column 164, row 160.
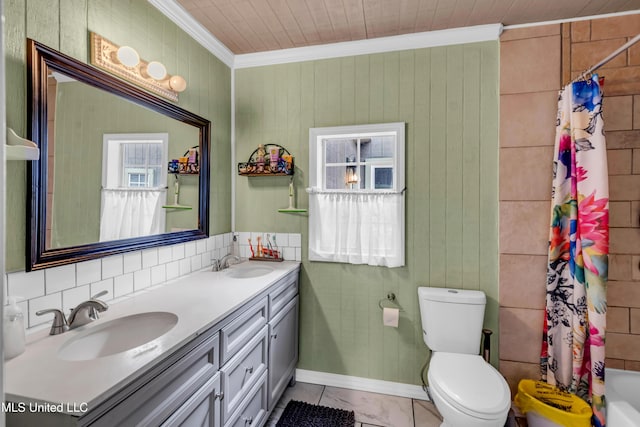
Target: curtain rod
column 615, row 53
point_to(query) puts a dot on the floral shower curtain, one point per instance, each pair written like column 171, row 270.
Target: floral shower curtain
column 573, row 349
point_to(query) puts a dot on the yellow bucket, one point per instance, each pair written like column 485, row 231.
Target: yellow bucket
column 553, row 404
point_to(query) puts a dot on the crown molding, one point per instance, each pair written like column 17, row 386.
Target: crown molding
column 183, row 19
column 446, row 37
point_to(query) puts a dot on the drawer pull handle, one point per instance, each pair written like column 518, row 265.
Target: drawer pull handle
column 274, row 336
column 219, row 395
column 249, row 369
column 247, row 420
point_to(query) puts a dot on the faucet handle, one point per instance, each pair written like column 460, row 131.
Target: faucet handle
column 216, row 264
column 100, row 294
column 59, row 324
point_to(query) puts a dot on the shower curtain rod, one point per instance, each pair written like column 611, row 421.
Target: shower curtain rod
column 615, row 53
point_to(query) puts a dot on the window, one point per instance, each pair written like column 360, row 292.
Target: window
column 134, row 182
column 356, row 203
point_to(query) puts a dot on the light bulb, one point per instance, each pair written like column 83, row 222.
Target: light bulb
column 128, row 56
column 177, row 83
column 156, row 70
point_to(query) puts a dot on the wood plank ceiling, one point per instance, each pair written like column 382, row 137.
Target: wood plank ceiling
column 247, row 26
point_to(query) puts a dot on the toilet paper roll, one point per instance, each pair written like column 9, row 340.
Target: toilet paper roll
column 390, row 317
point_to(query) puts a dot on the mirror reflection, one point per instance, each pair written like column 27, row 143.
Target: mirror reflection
column 120, row 169
column 110, row 156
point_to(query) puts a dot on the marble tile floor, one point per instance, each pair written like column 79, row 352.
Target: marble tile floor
column 371, row 409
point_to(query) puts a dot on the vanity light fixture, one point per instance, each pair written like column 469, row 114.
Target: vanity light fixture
column 124, row 62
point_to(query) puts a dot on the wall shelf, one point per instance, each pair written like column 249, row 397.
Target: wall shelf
column 18, row 148
column 292, row 210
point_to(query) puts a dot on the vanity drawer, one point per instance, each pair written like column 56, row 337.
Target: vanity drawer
column 236, row 334
column 154, row 401
column 242, row 372
column 202, row 409
column 280, row 296
column 253, row 409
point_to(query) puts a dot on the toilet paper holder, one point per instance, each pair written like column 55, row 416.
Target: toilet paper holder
column 389, row 302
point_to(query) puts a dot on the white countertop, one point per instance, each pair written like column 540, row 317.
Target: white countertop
column 200, row 300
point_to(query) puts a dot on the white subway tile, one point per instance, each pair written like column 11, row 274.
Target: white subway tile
column 149, row 257
column 103, row 285
column 196, row 262
column 173, row 270
column 228, row 238
column 299, row 254
column 254, row 237
column 123, row 285
column 289, row 254
column 282, row 239
column 132, row 261
column 142, row 278
column 295, row 240
column 60, row 278
column 184, row 266
column 211, row 243
column 88, row 271
column 26, row 285
column 72, row 297
column 112, row 266
column 43, row 303
column 177, row 252
column 189, row 249
column 206, row 259
column 164, row 254
column 158, row 274
column 218, row 241
column 201, row 246
column 244, row 238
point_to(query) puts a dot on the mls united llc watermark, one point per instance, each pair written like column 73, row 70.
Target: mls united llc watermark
column 66, row 407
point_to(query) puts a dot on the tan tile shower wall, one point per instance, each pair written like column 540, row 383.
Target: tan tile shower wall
column 534, row 63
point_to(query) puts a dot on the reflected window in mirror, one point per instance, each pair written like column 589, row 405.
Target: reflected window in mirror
column 134, row 185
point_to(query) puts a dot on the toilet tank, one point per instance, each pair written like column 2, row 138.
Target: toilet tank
column 452, row 319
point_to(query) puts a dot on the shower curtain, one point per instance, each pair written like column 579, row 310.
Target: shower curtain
column 573, row 349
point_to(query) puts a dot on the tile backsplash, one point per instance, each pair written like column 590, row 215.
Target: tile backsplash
column 120, row 275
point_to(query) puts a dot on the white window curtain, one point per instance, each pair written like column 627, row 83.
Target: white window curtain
column 357, row 227
column 131, row 213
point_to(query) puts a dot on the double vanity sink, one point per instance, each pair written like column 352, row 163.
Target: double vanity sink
column 136, row 330
column 124, row 349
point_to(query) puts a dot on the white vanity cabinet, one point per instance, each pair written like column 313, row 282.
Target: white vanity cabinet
column 283, row 337
column 230, row 373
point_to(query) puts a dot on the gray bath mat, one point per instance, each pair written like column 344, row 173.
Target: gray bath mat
column 301, row 414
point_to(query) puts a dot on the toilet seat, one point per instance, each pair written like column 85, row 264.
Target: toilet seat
column 469, row 384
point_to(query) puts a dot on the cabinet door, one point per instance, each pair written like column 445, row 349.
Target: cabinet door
column 283, row 350
column 201, row 410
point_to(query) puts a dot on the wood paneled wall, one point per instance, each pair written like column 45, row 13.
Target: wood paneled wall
column 448, row 96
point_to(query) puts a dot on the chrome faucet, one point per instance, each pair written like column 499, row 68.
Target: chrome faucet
column 86, row 312
column 223, row 262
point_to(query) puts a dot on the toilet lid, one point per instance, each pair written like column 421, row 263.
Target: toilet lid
column 469, row 384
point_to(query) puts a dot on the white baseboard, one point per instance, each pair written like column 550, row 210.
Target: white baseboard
column 363, row 384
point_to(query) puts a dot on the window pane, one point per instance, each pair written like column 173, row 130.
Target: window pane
column 336, row 178
column 154, row 173
column 377, row 147
column 155, row 154
column 339, row 150
column 134, row 154
column 383, row 178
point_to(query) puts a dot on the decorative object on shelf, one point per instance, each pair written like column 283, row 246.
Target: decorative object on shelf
column 291, row 208
column 187, row 164
column 124, row 62
column 18, row 148
column 176, row 194
column 268, row 160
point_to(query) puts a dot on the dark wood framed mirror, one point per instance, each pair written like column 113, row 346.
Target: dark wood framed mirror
column 74, row 108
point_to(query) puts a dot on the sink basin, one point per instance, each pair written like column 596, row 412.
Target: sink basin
column 247, row 272
column 117, row 335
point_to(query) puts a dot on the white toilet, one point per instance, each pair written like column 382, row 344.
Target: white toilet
column 467, row 391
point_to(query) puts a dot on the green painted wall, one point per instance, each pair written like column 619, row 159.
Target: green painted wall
column 64, row 25
column 448, row 96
